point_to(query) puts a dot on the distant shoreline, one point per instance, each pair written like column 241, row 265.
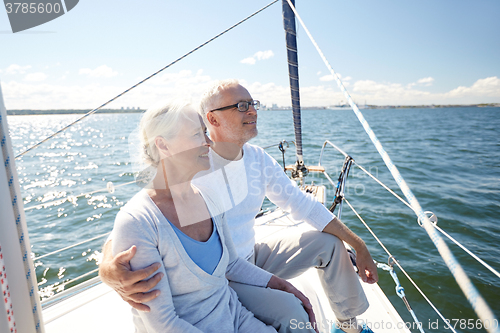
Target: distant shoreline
column 305, row 108
column 47, row 112
column 365, row 107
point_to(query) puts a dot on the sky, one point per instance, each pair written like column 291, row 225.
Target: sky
column 386, row 52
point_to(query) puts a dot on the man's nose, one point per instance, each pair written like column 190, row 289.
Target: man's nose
column 251, row 110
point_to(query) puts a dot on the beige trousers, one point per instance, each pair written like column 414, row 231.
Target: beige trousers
column 291, row 253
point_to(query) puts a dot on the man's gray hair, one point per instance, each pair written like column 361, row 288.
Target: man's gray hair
column 211, row 97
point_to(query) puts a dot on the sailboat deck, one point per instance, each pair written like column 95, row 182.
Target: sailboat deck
column 94, row 307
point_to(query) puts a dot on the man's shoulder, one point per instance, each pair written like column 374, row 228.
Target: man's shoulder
column 255, row 152
column 253, row 148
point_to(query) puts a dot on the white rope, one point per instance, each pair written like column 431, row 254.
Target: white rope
column 61, row 201
column 72, row 246
column 78, row 278
column 9, row 164
column 6, row 300
column 142, row 81
column 475, row 299
column 384, row 186
column 494, row 271
column 482, row 262
column 447, row 322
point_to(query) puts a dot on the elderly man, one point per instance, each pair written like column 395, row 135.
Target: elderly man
column 248, row 175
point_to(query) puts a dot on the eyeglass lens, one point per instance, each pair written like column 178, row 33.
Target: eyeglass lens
column 243, row 106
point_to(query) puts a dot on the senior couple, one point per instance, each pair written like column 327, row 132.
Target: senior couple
column 193, row 223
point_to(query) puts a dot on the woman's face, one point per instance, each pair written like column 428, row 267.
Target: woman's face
column 189, row 149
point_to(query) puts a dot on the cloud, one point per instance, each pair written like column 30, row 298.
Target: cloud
column 378, row 93
column 16, row 69
column 488, row 87
column 260, row 55
column 188, row 84
column 482, row 91
column 35, row 77
column 330, row 77
column 427, row 81
column 58, row 94
column 326, row 78
column 248, row 61
column 101, row 71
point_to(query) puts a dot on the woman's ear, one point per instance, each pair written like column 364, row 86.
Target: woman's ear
column 161, row 144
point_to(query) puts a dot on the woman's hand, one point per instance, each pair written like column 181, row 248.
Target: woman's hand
column 281, row 284
column 132, row 286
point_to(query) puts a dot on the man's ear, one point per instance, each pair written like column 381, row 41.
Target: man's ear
column 161, row 144
column 212, row 119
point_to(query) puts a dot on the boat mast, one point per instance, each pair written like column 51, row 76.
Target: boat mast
column 299, row 170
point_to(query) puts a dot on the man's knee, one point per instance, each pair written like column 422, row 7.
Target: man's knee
column 323, row 245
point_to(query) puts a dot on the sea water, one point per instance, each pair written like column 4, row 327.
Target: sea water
column 450, row 158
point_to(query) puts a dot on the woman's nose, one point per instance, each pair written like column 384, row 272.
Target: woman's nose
column 208, row 142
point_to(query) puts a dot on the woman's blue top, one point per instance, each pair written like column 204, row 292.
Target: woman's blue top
column 204, row 254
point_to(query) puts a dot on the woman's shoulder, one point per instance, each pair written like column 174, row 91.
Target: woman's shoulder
column 212, row 199
column 139, row 209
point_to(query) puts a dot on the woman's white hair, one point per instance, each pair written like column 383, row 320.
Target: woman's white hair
column 165, row 120
column 211, row 96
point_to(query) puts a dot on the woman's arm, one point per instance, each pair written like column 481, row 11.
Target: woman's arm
column 134, row 287
column 129, row 231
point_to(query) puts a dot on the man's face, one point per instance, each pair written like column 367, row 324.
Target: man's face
column 235, row 126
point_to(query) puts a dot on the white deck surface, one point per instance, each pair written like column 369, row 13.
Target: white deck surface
column 99, row 309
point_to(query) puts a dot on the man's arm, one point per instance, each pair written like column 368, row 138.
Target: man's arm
column 130, row 285
column 285, row 194
column 367, row 269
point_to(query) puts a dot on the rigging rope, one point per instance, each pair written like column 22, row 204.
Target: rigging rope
column 475, row 299
column 71, row 246
column 5, row 292
column 139, row 83
column 447, row 322
column 482, row 262
column 341, row 184
column 16, row 201
column 400, row 291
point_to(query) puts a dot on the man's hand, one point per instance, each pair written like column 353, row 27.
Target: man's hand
column 281, row 284
column 367, row 269
column 130, row 285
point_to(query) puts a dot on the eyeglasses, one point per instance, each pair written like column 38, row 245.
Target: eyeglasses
column 242, row 106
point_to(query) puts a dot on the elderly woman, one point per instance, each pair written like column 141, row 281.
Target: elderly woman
column 172, row 222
